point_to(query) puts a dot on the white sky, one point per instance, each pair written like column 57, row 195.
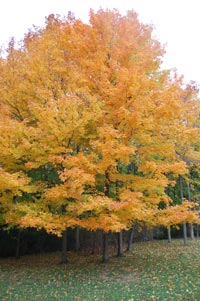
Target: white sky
column 177, row 24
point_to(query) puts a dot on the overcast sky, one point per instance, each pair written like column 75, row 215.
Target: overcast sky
column 177, row 24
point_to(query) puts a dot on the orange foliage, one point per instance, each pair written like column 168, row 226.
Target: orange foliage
column 85, row 99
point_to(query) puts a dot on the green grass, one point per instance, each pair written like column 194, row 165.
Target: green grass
column 152, row 271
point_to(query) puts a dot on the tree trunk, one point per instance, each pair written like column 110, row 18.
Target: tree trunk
column 64, row 258
column 190, row 225
column 77, row 239
column 191, row 231
column 105, row 248
column 184, row 224
column 119, row 234
column 197, row 231
column 105, row 236
column 120, row 244
column 150, row 234
column 185, row 234
column 41, row 242
column 169, row 235
column 130, row 239
column 93, row 239
column 17, row 254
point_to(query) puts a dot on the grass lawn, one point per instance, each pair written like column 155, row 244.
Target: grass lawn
column 152, row 271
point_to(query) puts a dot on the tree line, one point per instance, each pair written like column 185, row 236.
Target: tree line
column 93, row 133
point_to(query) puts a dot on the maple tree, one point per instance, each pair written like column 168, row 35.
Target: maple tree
column 84, row 103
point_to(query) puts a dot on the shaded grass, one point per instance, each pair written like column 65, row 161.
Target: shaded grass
column 152, row 271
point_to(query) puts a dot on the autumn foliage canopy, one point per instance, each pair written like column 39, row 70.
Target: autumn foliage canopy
column 92, row 131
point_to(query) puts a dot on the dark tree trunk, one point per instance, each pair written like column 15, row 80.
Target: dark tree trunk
column 130, row 239
column 169, row 235
column 185, row 234
column 93, row 238
column 197, row 228
column 119, row 234
column 64, row 258
column 105, row 248
column 77, row 239
column 184, row 224
column 105, row 235
column 41, row 242
column 120, row 244
column 150, row 234
column 190, row 225
column 17, row 254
